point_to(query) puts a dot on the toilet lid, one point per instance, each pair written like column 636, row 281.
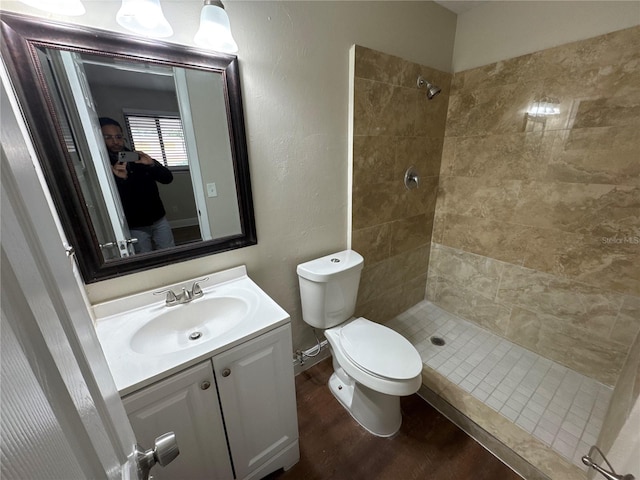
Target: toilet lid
column 380, row 350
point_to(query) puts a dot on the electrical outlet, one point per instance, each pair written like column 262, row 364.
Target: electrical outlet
column 211, row 190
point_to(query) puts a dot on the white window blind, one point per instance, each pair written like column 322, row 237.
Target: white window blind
column 160, row 137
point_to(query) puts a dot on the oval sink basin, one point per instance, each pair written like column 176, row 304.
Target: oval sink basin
column 188, row 325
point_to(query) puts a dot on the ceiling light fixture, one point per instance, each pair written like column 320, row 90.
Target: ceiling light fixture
column 215, row 29
column 144, row 17
column 71, row 8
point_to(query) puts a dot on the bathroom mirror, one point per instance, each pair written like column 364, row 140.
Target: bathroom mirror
column 180, row 105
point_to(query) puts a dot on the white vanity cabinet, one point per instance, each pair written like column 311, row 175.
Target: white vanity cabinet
column 257, row 394
column 187, row 404
column 239, row 422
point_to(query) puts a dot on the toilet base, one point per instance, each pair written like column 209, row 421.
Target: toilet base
column 376, row 412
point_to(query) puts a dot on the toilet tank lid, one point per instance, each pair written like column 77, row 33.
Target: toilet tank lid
column 320, row 269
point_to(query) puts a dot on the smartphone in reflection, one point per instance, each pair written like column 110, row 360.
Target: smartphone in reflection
column 128, row 157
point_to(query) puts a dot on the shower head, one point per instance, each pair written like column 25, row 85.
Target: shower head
column 432, row 90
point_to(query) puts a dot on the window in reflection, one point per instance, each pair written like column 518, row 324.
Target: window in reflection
column 161, row 136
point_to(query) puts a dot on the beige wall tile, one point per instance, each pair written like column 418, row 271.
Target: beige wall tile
column 474, row 272
column 487, row 237
column 386, row 275
column 390, row 303
column 621, row 111
column 421, row 200
column 501, row 73
column 396, row 127
column 466, row 303
column 512, row 156
column 422, row 152
column 374, row 204
column 603, row 52
column 606, row 155
column 432, row 283
column 480, row 197
column 578, row 304
column 438, row 224
column 556, row 198
column 548, row 209
column 577, row 348
column 432, row 114
column 410, row 233
column 373, row 243
column 492, row 109
column 373, row 159
column 448, row 156
column 598, row 210
column 383, row 109
column 627, row 325
column 604, row 262
column 381, row 67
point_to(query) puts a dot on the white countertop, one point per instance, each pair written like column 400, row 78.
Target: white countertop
column 118, row 320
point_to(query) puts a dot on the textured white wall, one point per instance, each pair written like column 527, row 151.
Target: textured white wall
column 294, row 61
column 498, row 30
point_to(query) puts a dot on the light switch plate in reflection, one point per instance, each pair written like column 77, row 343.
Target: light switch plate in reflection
column 211, row 190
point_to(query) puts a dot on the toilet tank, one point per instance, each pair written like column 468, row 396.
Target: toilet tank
column 329, row 288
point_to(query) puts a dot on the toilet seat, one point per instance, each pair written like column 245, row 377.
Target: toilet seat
column 379, row 351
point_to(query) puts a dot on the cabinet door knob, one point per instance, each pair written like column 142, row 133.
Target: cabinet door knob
column 226, row 372
column 206, row 384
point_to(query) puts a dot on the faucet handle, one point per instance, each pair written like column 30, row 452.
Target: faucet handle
column 171, row 296
column 196, row 290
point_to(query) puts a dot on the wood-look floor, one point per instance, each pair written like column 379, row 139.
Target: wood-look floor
column 428, row 446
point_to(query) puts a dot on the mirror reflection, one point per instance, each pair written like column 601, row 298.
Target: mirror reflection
column 159, row 172
column 93, row 98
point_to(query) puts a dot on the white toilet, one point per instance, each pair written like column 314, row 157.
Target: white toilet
column 373, row 365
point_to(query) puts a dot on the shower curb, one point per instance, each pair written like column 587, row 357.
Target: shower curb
column 501, row 451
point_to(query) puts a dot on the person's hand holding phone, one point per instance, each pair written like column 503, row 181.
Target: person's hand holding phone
column 120, row 170
column 145, row 159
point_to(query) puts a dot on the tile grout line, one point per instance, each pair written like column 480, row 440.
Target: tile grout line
column 521, row 397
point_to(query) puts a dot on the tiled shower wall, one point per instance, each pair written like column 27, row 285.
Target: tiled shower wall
column 537, row 225
column 395, row 127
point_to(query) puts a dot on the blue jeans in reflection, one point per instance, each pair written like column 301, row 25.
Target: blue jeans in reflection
column 154, row 237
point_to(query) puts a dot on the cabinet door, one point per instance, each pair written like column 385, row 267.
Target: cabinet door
column 187, row 404
column 257, row 392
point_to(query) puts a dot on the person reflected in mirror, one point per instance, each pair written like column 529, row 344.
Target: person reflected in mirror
column 137, row 183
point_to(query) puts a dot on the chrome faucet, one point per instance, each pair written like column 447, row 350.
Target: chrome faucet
column 185, row 296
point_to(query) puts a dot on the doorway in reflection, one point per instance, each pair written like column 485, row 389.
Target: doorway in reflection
column 144, row 101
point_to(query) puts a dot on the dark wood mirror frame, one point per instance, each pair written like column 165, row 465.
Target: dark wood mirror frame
column 21, row 36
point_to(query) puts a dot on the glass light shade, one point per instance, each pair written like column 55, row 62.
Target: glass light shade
column 71, row 8
column 215, row 30
column 144, row 17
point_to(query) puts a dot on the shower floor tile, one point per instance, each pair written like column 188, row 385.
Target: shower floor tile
column 562, row 408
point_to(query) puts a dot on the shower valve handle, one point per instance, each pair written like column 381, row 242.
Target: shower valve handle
column 411, row 178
